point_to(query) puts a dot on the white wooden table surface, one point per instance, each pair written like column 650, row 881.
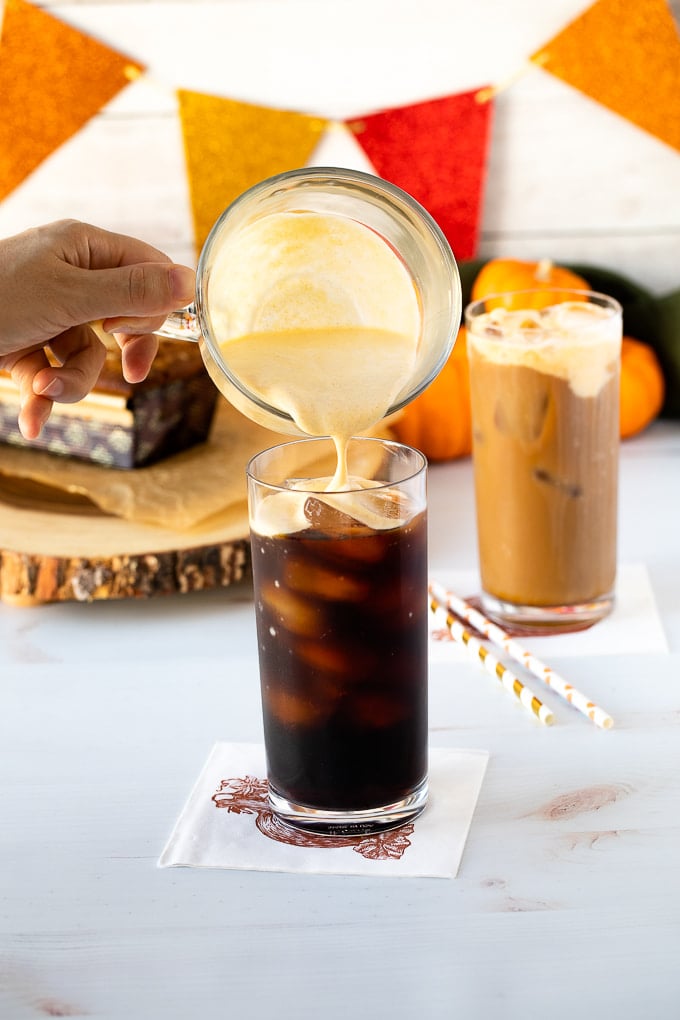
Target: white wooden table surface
column 562, row 907
column 567, row 901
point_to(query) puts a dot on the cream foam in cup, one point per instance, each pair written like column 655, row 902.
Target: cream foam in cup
column 574, row 340
column 390, row 218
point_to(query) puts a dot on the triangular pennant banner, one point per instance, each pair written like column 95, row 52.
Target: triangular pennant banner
column 436, row 151
column 53, row 79
column 626, row 56
column 230, row 146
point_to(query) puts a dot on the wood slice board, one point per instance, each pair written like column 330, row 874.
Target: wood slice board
column 58, row 547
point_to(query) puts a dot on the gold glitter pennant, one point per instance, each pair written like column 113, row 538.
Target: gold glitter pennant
column 230, row 146
column 625, row 54
column 53, row 79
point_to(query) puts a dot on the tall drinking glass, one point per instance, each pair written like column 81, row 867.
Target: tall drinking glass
column 544, row 375
column 341, row 603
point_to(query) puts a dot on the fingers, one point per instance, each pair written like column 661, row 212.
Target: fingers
column 66, row 273
column 91, row 247
column 128, row 294
column 81, row 356
column 138, row 352
column 56, row 278
column 133, row 325
column 149, row 280
column 33, row 414
column 34, row 410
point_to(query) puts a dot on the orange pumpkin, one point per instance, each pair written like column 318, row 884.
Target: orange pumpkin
column 438, row 422
column 501, row 276
column 642, row 387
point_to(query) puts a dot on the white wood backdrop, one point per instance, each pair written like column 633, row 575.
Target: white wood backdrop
column 567, row 179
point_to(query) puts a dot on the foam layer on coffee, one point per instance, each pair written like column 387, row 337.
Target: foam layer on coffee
column 576, row 341
column 367, row 506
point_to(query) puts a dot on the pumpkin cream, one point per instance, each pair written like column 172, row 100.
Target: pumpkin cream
column 316, row 315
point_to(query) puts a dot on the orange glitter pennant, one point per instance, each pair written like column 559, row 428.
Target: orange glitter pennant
column 229, row 146
column 53, row 79
column 626, row 56
column 436, row 151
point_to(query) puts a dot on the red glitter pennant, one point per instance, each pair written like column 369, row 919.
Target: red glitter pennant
column 436, row 151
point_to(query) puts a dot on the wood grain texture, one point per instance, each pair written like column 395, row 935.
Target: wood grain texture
column 28, row 579
column 56, row 546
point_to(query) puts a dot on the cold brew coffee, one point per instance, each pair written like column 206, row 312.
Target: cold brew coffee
column 340, row 581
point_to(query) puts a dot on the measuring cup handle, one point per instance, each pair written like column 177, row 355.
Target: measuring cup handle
column 181, row 325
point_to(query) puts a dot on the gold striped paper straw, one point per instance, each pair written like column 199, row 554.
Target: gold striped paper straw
column 455, row 604
column 476, row 650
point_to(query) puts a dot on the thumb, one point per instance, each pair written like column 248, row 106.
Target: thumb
column 142, row 289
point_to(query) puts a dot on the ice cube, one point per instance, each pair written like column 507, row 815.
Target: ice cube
column 385, row 505
column 521, row 412
column 323, row 581
column 366, row 548
column 513, row 321
column 322, row 655
column 325, row 517
column 281, row 513
column 377, row 709
column 523, row 319
column 578, row 315
column 344, row 667
column 524, row 326
column 295, row 709
column 293, row 612
column 377, row 508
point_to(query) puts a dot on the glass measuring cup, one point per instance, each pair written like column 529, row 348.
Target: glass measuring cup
column 386, row 210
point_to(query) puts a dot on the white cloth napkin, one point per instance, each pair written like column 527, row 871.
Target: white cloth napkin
column 226, row 823
column 633, row 627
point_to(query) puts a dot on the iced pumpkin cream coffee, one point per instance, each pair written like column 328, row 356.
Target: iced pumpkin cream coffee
column 545, row 399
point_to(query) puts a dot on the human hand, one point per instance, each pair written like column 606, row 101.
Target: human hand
column 57, row 278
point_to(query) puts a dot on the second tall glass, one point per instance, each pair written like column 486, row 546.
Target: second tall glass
column 545, row 410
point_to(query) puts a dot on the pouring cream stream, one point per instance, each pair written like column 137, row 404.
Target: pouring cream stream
column 318, row 316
